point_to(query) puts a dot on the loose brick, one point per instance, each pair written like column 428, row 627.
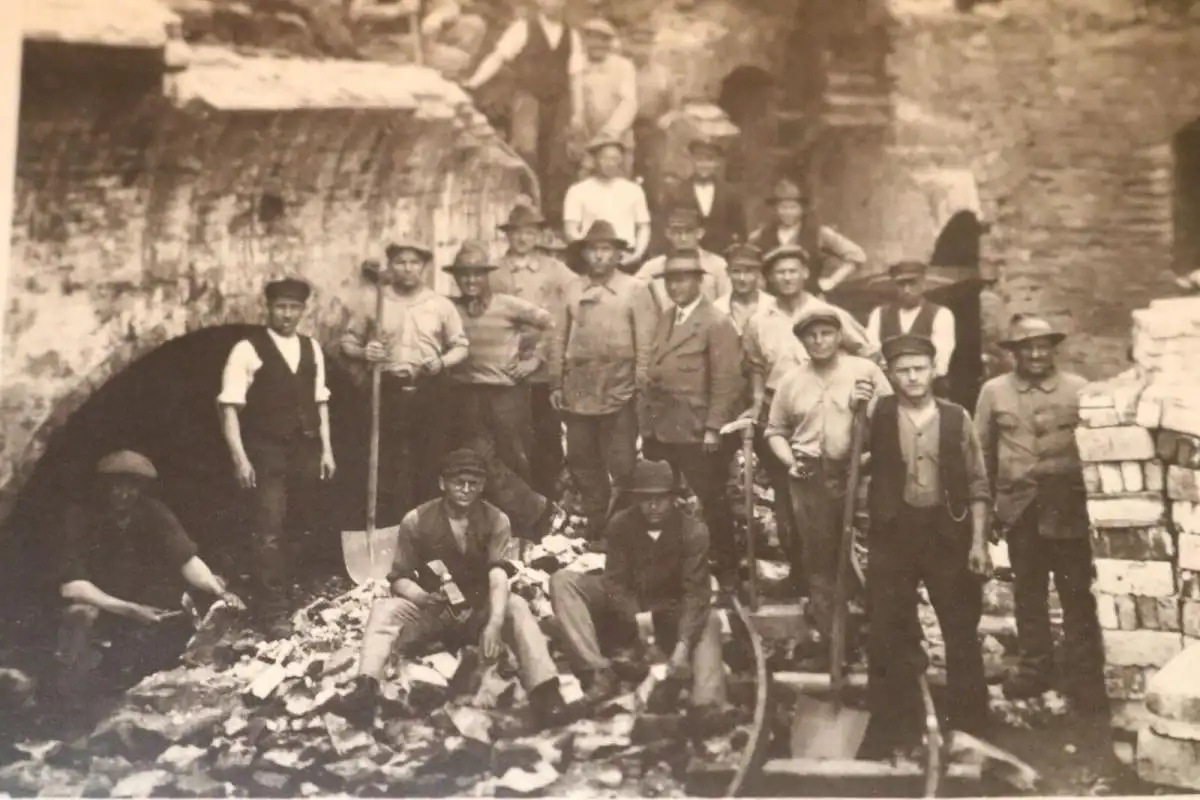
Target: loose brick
column 1142, row 578
column 1183, row 484
column 1181, row 415
column 1099, row 417
column 1131, row 511
column 1091, row 478
column 1131, row 476
column 1153, row 475
column 1149, row 412
column 1153, row 543
column 1141, row 648
column 1124, row 443
column 1189, row 551
column 1110, row 479
column 1174, row 692
column 1106, row 611
column 1189, row 618
column 1125, row 683
column 1147, row 612
column 1170, row 762
column 1168, row 613
column 1127, row 615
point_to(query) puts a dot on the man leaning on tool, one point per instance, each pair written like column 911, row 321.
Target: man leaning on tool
column 275, row 415
column 1026, row 421
column 657, row 561
column 929, row 500
column 809, row 431
column 473, row 540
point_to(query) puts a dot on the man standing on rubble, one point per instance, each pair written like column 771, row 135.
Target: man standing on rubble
column 684, row 234
column 771, row 350
column 599, row 350
column 1026, row 421
column 126, row 562
column 929, row 501
column 694, row 388
column 657, row 561
column 275, row 414
column 809, row 431
column 538, row 277
column 420, row 337
column 454, row 558
column 911, row 312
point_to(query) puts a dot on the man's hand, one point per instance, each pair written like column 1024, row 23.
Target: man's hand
column 979, row 561
column 556, row 400
column 751, row 413
column 679, row 665
column 328, row 465
column 712, row 441
column 525, row 367
column 243, row 470
column 233, row 601
column 863, row 391
column 433, row 365
column 376, row 352
column 489, row 640
column 147, row 615
column 827, row 284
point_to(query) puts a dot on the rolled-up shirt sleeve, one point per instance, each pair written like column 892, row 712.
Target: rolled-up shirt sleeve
column 841, row 246
column 781, row 420
column 322, row 387
column 241, row 366
column 513, row 40
column 404, row 562
column 502, row 548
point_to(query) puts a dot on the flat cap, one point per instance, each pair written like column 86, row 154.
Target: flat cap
column 602, row 141
column 683, row 216
column 908, row 269
column 463, row 461
column 908, row 344
column 288, row 288
column 599, row 27
column 398, row 246
column 814, row 316
column 784, row 251
column 786, row 189
column 127, row 462
column 744, row 255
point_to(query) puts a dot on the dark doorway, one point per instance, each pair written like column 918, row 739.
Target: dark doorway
column 748, row 97
column 1186, row 257
column 956, row 258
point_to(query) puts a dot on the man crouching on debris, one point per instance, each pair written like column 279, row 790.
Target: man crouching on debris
column 450, row 578
column 657, row 561
column 123, row 556
column 929, row 498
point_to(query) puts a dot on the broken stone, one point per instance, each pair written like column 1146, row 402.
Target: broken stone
column 445, row 664
column 1173, row 692
column 514, row 755
column 1169, row 762
column 145, row 735
column 656, row 727
column 1141, row 578
column 1141, row 648
column 608, row 778
column 141, row 784
column 526, row 782
column 996, row 763
column 493, row 691
column 471, row 723
column 182, row 757
column 347, row 740
column 287, row 760
column 197, row 784
column 354, row 771
column 411, row 672
column 268, row 779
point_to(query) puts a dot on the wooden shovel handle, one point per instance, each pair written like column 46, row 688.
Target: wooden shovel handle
column 373, row 458
column 841, row 593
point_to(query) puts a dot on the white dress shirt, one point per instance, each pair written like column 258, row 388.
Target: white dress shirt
column 705, row 194
column 942, row 334
column 243, row 363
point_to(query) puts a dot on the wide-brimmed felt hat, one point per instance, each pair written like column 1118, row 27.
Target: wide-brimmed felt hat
column 602, row 231
column 397, row 246
column 127, row 462
column 784, row 251
column 603, row 140
column 708, row 143
column 463, row 461
column 814, row 316
column 684, row 216
column 907, row 344
column 552, row 240
column 288, row 288
column 523, row 216
column 741, row 254
column 681, row 262
column 1025, row 327
column 599, row 27
column 651, row 477
column 907, row 269
column 471, row 256
column 787, row 189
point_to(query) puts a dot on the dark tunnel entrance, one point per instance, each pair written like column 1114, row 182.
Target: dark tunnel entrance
column 163, row 406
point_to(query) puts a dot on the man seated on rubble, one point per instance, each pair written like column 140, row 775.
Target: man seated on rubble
column 656, row 561
column 123, row 555
column 450, row 581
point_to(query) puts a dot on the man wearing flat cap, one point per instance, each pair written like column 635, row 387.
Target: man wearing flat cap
column 607, row 101
column 1026, row 421
column 694, row 388
column 275, row 416
column 449, row 580
column 684, row 234
column 788, row 205
column 607, row 195
column 809, row 431
column 929, row 500
column 418, row 339
column 744, row 268
column 126, row 561
column 540, row 278
column 722, row 212
column 657, row 561
column 911, row 312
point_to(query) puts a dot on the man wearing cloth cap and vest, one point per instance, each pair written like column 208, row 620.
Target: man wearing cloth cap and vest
column 722, row 213
column 657, row 561
column 606, row 100
column 542, row 279
column 126, row 561
column 419, row 338
column 684, row 233
column 770, row 351
column 789, row 203
column 472, row 540
column 809, row 431
column 275, row 414
column 694, row 388
column 599, row 351
column 911, row 312
column 610, row 197
column 1026, row 421
column 930, row 500
column 745, row 286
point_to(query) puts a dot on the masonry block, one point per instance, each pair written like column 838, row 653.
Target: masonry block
column 1106, row 611
column 1127, row 614
column 1153, row 475
column 1174, row 729
column 1189, row 620
column 1170, row 762
column 1099, row 417
column 1149, row 412
column 1152, row 543
column 1181, row 415
column 1127, row 511
column 1141, row 648
column 1185, row 516
column 1189, row 584
column 1183, row 484
column 1131, row 476
column 1174, row 691
column 1141, row 578
column 1169, row 618
column 1091, row 478
column 1129, row 715
column 1189, row 551
column 1111, row 478
column 1124, row 443
column 1147, row 612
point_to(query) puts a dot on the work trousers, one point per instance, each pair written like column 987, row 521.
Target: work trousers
column 586, row 616
column 781, row 487
column 707, row 474
column 287, row 477
column 537, row 131
column 1034, row 559
column 135, row 650
column 412, row 442
column 601, row 453
column 817, row 504
column 396, row 624
column 546, row 457
column 912, row 550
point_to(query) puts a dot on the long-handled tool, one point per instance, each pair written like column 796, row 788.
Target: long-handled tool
column 368, row 554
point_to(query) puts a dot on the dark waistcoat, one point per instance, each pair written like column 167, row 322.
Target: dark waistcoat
column 281, row 404
column 541, row 69
column 889, row 320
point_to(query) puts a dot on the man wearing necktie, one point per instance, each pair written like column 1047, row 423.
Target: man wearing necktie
column 695, row 387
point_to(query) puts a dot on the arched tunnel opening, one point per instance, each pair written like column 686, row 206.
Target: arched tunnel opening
column 164, row 406
column 747, row 95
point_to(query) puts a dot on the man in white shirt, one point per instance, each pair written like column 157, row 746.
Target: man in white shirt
column 611, row 197
column 744, row 268
column 684, row 233
column 275, row 417
column 911, row 312
column 606, row 100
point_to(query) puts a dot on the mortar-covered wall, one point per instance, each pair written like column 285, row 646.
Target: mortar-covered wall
column 136, row 221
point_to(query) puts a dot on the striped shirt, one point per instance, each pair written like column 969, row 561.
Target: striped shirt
column 494, row 338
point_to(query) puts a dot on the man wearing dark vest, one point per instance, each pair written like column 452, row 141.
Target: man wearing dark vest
column 911, row 313
column 929, row 499
column 722, row 214
column 547, row 58
column 275, row 417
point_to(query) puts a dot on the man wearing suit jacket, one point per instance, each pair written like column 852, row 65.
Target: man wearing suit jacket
column 694, row 387
column 722, row 214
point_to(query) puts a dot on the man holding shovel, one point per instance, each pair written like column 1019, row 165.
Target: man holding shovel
column 450, row 579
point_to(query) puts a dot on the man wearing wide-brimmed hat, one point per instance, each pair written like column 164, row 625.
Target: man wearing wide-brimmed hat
column 599, row 350
column 539, row 277
column 1026, row 421
column 722, row 212
column 694, row 388
column 275, row 417
column 684, row 233
column 419, row 337
column 911, row 312
column 809, row 431
column 607, row 100
column 788, row 203
column 608, row 195
column 657, row 561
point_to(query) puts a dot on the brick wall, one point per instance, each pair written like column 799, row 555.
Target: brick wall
column 136, row 221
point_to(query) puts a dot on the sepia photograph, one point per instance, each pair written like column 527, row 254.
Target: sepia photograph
column 600, row 398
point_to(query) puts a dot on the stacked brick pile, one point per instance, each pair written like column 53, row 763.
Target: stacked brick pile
column 1139, row 439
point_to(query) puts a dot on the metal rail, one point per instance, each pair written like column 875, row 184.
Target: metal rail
column 755, row 750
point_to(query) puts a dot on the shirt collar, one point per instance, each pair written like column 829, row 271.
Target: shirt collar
column 1046, row 385
column 681, row 314
column 607, row 286
column 280, row 339
column 526, row 262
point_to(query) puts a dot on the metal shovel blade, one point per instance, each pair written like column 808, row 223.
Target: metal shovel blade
column 823, row 730
column 369, row 556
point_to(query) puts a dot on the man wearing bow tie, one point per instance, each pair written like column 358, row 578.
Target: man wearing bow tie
column 722, row 215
